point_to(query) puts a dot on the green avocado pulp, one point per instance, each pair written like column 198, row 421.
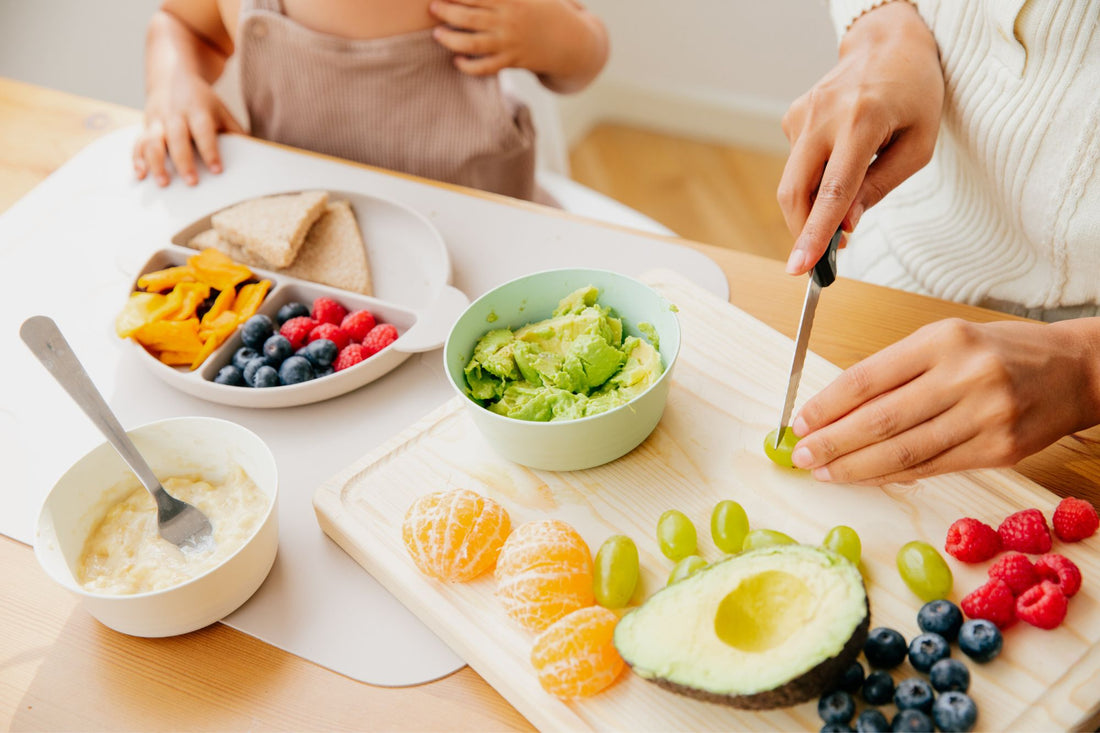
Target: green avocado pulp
column 763, row 611
column 577, row 363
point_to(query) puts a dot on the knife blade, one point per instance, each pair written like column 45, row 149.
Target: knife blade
column 822, row 276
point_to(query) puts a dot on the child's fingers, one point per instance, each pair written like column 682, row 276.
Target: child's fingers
column 205, row 133
column 458, row 15
column 155, row 154
column 483, row 65
column 463, row 42
column 137, row 157
column 179, row 149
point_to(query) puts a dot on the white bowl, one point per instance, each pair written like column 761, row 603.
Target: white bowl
column 566, row 445
column 202, row 446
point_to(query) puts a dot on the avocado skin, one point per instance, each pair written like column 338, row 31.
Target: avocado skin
column 805, row 687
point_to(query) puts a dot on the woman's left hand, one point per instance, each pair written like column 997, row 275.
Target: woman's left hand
column 952, row 396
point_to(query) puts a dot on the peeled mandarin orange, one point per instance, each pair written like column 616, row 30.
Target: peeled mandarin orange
column 455, row 535
column 543, row 573
column 575, row 656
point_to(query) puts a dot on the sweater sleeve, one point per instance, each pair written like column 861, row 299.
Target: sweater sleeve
column 846, row 12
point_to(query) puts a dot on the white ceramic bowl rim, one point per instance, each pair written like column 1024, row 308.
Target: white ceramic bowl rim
column 544, row 273
column 76, row 587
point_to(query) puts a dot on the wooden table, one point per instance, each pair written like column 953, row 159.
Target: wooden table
column 60, row 669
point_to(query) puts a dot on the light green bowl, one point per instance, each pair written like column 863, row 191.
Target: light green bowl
column 567, row 445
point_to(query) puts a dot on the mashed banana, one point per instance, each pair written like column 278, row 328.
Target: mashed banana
column 124, row 554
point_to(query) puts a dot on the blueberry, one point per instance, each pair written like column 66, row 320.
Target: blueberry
column 295, row 370
column 872, row 721
column 243, row 355
column 836, row 728
column 256, row 330
column 836, row 707
column 851, row 679
column 321, row 352
column 318, row 373
column 940, row 617
column 955, row 711
column 266, row 376
column 980, row 640
column 276, row 349
column 250, row 369
column 927, row 649
column 292, row 309
column 914, row 693
column 949, row 675
column 878, row 688
column 912, row 720
column 885, row 648
column 231, row 375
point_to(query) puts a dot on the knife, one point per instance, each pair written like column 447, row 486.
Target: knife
column 822, row 276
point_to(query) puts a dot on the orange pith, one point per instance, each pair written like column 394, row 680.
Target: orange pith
column 455, row 535
column 575, row 656
column 543, row 573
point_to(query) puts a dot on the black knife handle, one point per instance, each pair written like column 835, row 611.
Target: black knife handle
column 825, row 270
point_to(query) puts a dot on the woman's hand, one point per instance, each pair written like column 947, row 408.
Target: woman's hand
column 952, row 396
column 883, row 98
column 557, row 39
column 184, row 110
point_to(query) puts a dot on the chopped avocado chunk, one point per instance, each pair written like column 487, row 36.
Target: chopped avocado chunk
column 650, row 333
column 574, row 364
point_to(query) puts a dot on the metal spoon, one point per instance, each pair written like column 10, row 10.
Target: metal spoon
column 177, row 521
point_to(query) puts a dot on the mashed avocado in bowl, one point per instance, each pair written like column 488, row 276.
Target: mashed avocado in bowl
column 577, row 363
column 565, row 369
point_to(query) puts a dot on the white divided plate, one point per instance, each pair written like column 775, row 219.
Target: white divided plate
column 410, row 272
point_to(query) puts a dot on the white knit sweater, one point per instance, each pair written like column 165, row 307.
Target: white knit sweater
column 1008, row 211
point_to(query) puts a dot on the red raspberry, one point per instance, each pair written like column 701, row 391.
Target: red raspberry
column 297, row 330
column 333, row 333
column 1074, row 519
column 1061, row 571
column 1025, row 531
column 358, row 324
column 1044, row 605
column 327, row 310
column 972, row 541
column 1016, row 570
column 994, row 602
column 380, row 337
column 349, row 356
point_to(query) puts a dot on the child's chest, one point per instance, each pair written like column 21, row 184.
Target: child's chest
column 346, row 18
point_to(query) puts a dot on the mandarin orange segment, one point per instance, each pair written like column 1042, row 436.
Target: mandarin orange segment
column 575, row 656
column 455, row 535
column 544, row 572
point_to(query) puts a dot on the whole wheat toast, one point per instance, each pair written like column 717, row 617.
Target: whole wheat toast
column 272, row 228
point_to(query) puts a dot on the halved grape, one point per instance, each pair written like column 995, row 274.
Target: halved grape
column 782, row 454
column 676, row 535
column 923, row 569
column 766, row 538
column 687, row 567
column 728, row 526
column 615, row 572
column 843, row 540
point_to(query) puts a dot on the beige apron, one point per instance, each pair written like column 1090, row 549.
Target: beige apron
column 396, row 102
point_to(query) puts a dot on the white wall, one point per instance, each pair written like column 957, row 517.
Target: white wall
column 720, row 69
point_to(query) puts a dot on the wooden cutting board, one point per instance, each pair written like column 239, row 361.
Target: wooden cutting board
column 727, row 388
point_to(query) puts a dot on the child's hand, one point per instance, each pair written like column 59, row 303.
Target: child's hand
column 183, row 111
column 557, row 39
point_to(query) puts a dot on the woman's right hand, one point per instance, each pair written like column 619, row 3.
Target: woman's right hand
column 184, row 109
column 884, row 98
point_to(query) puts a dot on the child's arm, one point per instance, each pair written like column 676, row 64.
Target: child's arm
column 557, row 39
column 185, row 51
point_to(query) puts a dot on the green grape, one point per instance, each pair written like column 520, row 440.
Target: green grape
column 782, row 454
column 615, row 572
column 687, row 567
column 844, row 541
column 766, row 538
column 924, row 571
column 676, row 535
column 728, row 526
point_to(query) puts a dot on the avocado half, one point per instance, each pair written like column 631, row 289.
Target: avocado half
column 767, row 628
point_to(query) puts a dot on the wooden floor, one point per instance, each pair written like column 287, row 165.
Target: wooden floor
column 702, row 191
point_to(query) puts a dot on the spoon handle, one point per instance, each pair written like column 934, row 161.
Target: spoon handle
column 43, row 337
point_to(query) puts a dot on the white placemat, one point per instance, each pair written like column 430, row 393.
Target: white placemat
column 71, row 247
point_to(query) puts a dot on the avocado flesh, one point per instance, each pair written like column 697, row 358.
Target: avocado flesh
column 767, row 628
